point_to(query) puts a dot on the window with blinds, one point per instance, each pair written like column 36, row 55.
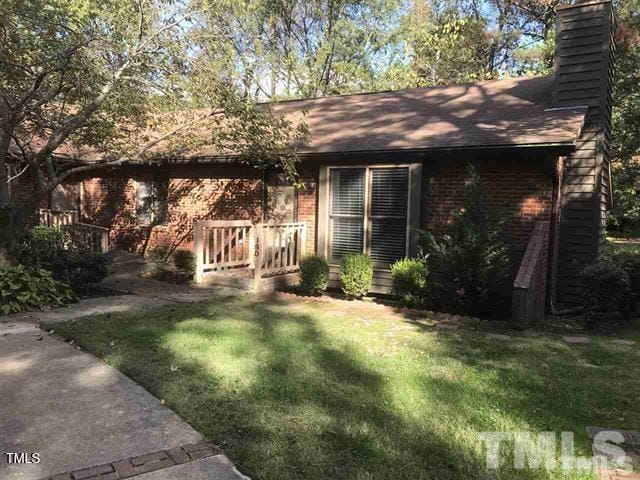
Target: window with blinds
column 388, row 214
column 347, row 211
column 369, row 212
column 152, row 194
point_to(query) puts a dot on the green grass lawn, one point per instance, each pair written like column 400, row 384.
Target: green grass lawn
column 322, row 390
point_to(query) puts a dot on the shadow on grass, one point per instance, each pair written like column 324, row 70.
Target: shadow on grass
column 286, row 400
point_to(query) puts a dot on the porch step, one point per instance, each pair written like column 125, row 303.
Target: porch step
column 241, row 278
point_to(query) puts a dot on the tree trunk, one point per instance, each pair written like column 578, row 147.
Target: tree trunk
column 5, row 198
column 7, row 208
column 13, row 217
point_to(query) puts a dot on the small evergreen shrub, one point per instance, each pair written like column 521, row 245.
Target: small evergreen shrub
column 38, row 247
column 409, row 281
column 22, row 289
column 314, row 274
column 185, row 260
column 81, row 269
column 627, row 257
column 159, row 254
column 356, row 273
column 605, row 295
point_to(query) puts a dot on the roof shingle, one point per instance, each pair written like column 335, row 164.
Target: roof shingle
column 499, row 112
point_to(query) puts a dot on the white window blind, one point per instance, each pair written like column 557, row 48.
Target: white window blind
column 347, row 211
column 382, row 208
column 388, row 216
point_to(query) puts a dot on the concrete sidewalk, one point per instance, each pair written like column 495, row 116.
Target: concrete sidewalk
column 77, row 412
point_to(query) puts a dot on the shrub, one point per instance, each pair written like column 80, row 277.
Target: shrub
column 356, row 273
column 81, row 269
column 627, row 257
column 314, row 274
column 605, row 295
column 22, row 289
column 38, row 247
column 625, row 215
column 159, row 254
column 409, row 281
column 185, row 260
column 470, row 263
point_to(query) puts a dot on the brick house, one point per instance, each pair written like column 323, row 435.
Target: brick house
column 380, row 166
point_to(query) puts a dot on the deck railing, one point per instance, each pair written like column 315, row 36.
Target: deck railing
column 222, row 245
column 87, row 237
column 76, row 233
column 270, row 249
column 280, row 246
column 57, row 218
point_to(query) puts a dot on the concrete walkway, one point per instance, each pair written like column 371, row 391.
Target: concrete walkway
column 76, row 412
column 85, row 419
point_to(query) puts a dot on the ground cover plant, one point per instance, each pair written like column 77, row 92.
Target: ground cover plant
column 317, row 390
column 23, row 289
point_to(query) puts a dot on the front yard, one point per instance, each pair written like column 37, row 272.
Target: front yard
column 302, row 389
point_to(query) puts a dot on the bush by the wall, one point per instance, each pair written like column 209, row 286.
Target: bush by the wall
column 81, row 269
column 627, row 257
column 314, row 274
column 159, row 254
column 185, row 260
column 38, row 247
column 22, row 289
column 356, row 274
column 409, row 281
column 605, row 295
column 470, row 263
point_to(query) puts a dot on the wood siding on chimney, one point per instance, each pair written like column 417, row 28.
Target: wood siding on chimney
column 584, row 69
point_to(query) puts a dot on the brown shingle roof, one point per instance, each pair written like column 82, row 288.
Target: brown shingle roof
column 508, row 112
column 499, row 112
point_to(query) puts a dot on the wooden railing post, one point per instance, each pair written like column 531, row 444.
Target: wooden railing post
column 258, row 256
column 303, row 243
column 199, row 251
column 104, row 242
column 252, row 246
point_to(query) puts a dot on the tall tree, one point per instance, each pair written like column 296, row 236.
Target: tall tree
column 626, row 120
column 300, row 48
column 443, row 47
column 109, row 82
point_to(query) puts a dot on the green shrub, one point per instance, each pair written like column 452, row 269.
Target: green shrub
column 22, row 289
column 81, row 269
column 625, row 215
column 314, row 274
column 185, row 260
column 606, row 290
column 470, row 264
column 356, row 273
column 627, row 257
column 160, row 254
column 38, row 247
column 409, row 281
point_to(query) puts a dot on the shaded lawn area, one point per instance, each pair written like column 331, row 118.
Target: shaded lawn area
column 316, row 390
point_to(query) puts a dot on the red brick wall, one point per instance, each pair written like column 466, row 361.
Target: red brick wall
column 526, row 190
column 195, row 193
column 307, row 211
column 22, row 189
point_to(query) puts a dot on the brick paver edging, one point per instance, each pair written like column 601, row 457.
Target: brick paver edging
column 133, row 466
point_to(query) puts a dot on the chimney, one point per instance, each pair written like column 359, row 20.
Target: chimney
column 583, row 72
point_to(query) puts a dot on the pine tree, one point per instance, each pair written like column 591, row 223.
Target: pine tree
column 470, row 263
